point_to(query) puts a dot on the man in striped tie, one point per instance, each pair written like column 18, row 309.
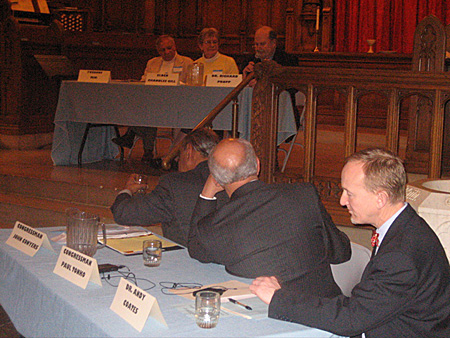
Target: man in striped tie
column 405, row 288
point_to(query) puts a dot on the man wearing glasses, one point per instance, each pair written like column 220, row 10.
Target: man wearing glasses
column 265, row 45
column 213, row 61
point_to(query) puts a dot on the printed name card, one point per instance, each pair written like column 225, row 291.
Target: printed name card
column 135, row 305
column 177, row 69
column 77, row 268
column 155, row 79
column 223, row 80
column 97, row 76
column 27, row 239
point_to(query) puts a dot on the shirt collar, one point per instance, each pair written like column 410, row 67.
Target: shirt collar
column 171, row 61
column 214, row 58
column 385, row 227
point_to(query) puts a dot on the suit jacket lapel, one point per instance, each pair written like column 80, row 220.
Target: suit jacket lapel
column 397, row 226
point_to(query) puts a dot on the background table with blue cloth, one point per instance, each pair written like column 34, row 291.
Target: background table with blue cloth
column 135, row 104
column 43, row 304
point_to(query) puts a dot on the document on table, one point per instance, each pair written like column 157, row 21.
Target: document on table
column 112, row 231
column 122, row 231
column 133, row 245
column 234, row 289
column 259, row 309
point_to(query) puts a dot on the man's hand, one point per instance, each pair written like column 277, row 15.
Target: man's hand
column 247, row 70
column 211, row 187
column 265, row 287
column 133, row 185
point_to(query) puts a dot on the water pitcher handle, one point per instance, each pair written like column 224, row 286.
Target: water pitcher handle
column 101, row 246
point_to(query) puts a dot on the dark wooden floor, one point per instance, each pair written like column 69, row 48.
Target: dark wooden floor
column 7, row 329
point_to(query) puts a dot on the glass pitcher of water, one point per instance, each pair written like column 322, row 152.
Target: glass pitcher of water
column 82, row 231
column 195, row 74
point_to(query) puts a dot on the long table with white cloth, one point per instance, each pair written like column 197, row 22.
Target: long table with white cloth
column 136, row 104
column 43, row 304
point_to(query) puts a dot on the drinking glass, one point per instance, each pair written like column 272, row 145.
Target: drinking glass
column 207, row 309
column 142, row 179
column 152, row 252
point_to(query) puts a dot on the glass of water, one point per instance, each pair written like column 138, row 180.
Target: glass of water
column 207, row 309
column 142, row 179
column 152, row 252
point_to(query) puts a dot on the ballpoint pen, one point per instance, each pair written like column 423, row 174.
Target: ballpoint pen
column 234, row 301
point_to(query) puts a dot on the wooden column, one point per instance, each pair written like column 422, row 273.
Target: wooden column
column 393, row 122
column 310, row 133
column 264, row 123
column 350, row 122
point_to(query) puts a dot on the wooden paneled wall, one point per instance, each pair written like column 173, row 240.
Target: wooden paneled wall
column 237, row 20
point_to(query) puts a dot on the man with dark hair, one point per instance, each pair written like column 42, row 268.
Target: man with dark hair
column 405, row 288
column 168, row 61
column 172, row 201
column 264, row 229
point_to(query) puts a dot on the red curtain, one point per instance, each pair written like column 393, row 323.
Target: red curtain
column 390, row 22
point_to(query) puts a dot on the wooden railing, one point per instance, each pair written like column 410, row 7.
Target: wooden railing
column 211, row 116
column 395, row 86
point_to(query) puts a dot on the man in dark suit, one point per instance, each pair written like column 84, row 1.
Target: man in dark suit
column 265, row 44
column 264, row 229
column 173, row 199
column 405, row 288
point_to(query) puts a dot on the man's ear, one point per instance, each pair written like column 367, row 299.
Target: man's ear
column 382, row 198
column 258, row 166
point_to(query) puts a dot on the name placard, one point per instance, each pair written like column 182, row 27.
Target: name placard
column 156, row 79
column 135, row 305
column 97, row 76
column 77, row 268
column 27, row 239
column 223, row 80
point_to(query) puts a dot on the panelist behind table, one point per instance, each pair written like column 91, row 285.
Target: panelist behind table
column 41, row 303
column 136, row 104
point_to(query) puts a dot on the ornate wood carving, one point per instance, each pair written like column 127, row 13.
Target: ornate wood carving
column 394, row 85
column 429, row 45
column 428, row 56
column 265, row 116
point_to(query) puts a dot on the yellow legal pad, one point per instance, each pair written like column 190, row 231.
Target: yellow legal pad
column 133, row 245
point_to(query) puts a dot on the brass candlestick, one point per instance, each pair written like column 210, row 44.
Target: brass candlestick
column 317, row 42
column 318, row 9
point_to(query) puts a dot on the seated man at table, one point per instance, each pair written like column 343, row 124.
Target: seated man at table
column 173, row 199
column 405, row 288
column 169, row 61
column 264, row 229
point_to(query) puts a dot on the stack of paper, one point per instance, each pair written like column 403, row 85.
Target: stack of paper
column 122, row 231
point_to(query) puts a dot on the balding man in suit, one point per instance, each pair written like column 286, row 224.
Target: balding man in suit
column 264, row 229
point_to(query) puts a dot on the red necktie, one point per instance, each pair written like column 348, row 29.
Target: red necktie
column 374, row 242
